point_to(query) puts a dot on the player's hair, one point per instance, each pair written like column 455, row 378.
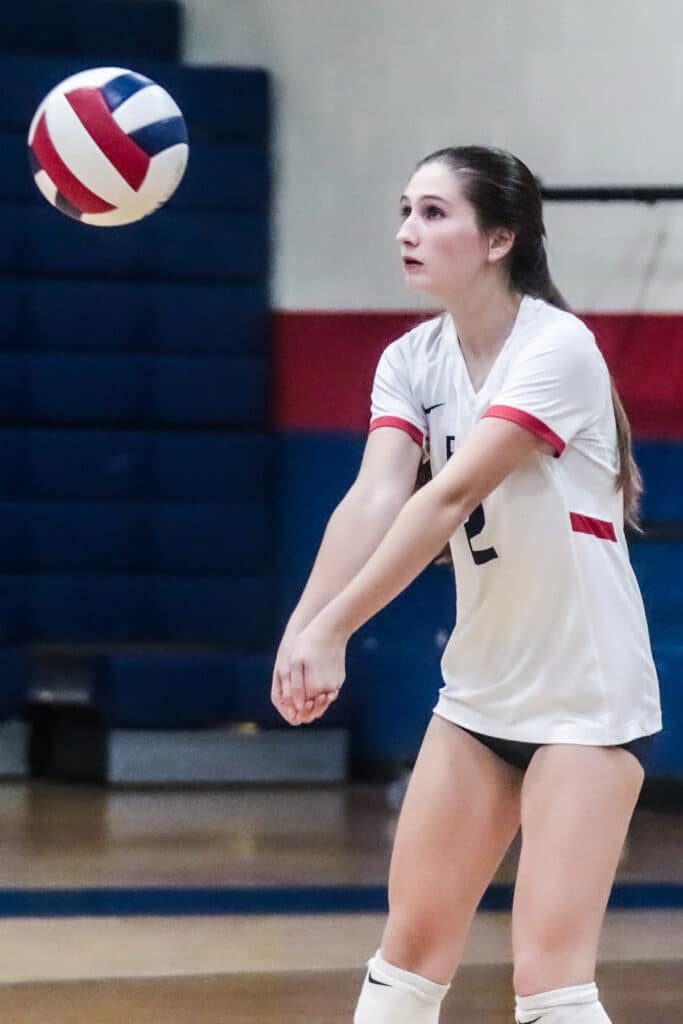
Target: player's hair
column 504, row 193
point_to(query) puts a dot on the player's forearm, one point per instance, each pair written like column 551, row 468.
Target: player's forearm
column 418, row 534
column 353, row 532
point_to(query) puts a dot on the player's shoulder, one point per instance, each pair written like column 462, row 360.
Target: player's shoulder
column 551, row 322
column 553, row 332
column 420, row 344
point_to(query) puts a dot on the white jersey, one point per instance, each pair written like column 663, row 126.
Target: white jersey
column 551, row 643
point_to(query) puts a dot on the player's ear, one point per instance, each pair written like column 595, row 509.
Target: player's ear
column 501, row 241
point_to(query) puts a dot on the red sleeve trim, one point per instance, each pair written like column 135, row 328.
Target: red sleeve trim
column 529, row 422
column 597, row 527
column 395, row 421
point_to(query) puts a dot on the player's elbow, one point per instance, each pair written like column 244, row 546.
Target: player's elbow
column 456, row 499
column 382, row 500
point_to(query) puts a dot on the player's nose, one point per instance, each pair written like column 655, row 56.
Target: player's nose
column 406, row 233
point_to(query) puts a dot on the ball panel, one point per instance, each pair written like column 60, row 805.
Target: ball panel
column 92, row 78
column 33, row 162
column 144, row 107
column 66, row 182
column 46, row 186
column 53, row 196
column 119, row 89
column 35, row 122
column 165, row 174
column 83, row 157
column 117, row 218
column 63, row 204
column 155, row 138
column 127, row 157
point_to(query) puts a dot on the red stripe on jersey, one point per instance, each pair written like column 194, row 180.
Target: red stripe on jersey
column 597, row 527
column 60, row 175
column 529, row 422
column 394, row 421
column 130, row 161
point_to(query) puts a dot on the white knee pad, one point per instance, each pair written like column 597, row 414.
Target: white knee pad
column 391, row 995
column 576, row 1005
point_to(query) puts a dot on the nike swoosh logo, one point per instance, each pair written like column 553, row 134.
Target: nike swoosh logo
column 428, row 410
column 533, row 1021
column 373, row 981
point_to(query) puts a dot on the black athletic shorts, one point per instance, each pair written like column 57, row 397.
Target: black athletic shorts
column 519, row 754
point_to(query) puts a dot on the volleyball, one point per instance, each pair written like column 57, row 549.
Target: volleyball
column 108, row 147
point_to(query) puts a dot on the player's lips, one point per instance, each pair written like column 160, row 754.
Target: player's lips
column 410, row 261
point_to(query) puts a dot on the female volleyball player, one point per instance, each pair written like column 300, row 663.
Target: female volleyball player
column 548, row 681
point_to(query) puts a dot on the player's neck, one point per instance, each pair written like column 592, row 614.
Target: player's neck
column 483, row 321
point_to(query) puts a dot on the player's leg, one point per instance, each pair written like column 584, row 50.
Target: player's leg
column 577, row 803
column 459, row 815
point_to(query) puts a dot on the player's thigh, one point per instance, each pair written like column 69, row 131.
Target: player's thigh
column 577, row 802
column 460, row 814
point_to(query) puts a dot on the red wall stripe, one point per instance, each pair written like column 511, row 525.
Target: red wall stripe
column 325, row 364
column 596, row 527
column 644, row 352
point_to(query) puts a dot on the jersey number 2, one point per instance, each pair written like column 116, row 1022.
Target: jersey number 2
column 473, row 527
column 477, row 521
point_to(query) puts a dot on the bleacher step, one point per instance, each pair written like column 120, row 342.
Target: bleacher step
column 13, row 749
column 140, row 756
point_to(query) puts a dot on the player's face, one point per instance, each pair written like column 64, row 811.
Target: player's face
column 442, row 247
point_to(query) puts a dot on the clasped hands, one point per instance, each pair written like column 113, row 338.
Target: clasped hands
column 309, row 671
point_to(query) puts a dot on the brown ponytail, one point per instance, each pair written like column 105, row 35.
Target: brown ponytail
column 629, row 476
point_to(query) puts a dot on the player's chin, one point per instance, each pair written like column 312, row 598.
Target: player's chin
column 418, row 280
column 414, row 277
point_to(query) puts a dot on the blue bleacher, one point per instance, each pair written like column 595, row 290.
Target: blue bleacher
column 196, row 318
column 125, row 465
column 221, row 611
column 230, row 391
column 174, row 244
column 99, row 537
column 136, row 454
column 119, row 31
column 224, row 612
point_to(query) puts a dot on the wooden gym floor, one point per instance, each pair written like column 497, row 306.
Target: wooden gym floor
column 243, row 969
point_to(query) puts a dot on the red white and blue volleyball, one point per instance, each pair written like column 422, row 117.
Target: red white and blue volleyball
column 108, row 146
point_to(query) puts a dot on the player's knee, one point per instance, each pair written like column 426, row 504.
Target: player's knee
column 538, row 970
column 417, row 944
column 558, row 949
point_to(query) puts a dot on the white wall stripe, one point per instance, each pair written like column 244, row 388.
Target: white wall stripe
column 585, row 93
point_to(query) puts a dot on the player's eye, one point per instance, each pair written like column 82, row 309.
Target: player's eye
column 434, row 212
column 405, row 212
